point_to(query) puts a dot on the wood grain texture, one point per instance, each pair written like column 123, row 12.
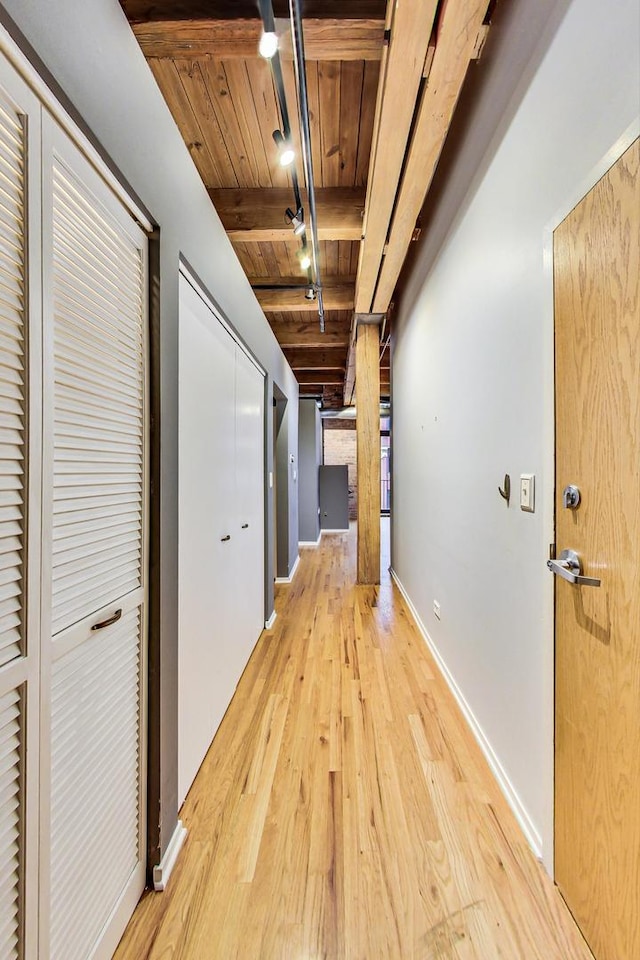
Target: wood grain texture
column 141, row 11
column 336, row 296
column 259, row 215
column 306, row 333
column 204, row 39
column 344, row 810
column 597, row 310
column 368, row 445
column 457, row 43
column 398, row 86
column 308, row 358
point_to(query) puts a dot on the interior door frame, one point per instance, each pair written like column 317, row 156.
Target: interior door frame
column 547, row 501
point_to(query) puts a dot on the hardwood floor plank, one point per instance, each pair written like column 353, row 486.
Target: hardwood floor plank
column 344, row 810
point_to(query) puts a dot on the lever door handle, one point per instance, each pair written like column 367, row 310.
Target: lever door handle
column 244, row 526
column 224, row 539
column 569, row 568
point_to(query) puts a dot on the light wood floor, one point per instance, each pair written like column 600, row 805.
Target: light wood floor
column 344, row 809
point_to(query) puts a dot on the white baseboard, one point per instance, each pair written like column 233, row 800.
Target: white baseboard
column 336, row 530
column 310, row 543
column 162, row 872
column 270, row 622
column 528, row 828
column 291, row 575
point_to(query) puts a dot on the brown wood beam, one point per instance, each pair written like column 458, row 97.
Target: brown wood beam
column 309, row 358
column 368, row 451
column 307, row 334
column 142, row 11
column 318, row 378
column 336, row 296
column 350, row 375
column 258, row 215
column 398, row 87
column 460, row 35
column 216, row 39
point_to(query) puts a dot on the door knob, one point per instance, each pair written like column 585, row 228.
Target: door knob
column 569, row 568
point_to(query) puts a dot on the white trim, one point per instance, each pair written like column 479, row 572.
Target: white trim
column 162, row 872
column 581, row 189
column 533, row 837
column 310, row 543
column 291, row 575
column 270, row 622
column 334, row 530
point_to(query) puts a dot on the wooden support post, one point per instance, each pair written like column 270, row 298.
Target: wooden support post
column 368, row 449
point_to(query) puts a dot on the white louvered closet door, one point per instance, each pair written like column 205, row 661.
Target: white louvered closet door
column 20, row 403
column 95, row 465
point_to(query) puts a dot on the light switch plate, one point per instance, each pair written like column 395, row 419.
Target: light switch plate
column 528, row 492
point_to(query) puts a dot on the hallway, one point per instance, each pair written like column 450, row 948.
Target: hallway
column 344, row 809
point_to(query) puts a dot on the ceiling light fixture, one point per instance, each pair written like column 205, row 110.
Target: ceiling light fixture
column 286, row 151
column 268, row 45
column 310, row 294
column 296, row 220
column 305, row 259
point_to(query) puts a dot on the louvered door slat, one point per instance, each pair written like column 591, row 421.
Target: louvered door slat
column 11, row 736
column 12, row 378
column 95, row 783
column 98, row 401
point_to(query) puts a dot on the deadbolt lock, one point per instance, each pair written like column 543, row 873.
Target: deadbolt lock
column 571, row 497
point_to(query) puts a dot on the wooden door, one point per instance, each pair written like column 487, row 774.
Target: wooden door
column 597, row 776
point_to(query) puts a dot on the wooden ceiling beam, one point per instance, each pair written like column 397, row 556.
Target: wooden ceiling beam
column 142, row 11
column 398, row 88
column 307, row 334
column 461, row 35
column 308, row 358
column 336, row 296
column 258, row 215
column 220, row 39
column 318, row 378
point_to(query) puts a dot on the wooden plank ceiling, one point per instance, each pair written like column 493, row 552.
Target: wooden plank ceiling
column 383, row 81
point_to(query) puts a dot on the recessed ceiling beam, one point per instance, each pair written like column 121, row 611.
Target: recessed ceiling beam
column 140, row 11
column 294, row 333
column 258, row 215
column 460, row 35
column 318, row 378
column 217, row 39
column 336, row 296
column 328, row 358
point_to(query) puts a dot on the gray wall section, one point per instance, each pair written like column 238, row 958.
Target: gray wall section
column 309, row 459
column 334, row 497
column 282, row 461
column 91, row 52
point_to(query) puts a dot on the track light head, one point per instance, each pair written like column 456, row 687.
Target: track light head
column 296, row 220
column 268, row 45
column 286, row 151
column 310, row 294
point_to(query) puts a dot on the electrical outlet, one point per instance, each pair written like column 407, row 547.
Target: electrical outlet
column 436, row 609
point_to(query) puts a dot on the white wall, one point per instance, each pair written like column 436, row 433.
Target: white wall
column 472, row 375
column 92, row 54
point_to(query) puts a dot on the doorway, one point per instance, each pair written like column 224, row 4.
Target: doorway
column 597, row 616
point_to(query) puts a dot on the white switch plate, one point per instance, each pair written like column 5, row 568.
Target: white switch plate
column 528, row 492
column 270, row 479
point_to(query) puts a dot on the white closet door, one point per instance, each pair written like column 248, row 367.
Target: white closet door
column 206, row 519
column 20, row 402
column 95, row 435
column 249, row 553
